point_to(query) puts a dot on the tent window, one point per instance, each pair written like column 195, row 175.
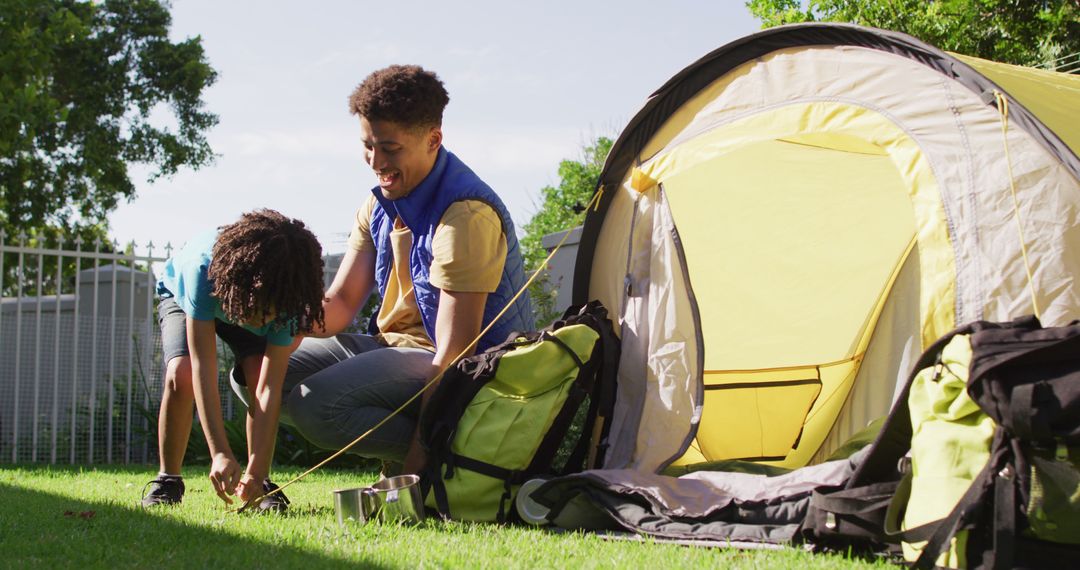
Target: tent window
column 760, row 421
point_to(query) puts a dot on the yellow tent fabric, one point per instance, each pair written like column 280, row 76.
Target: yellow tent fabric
column 1052, row 97
column 790, row 266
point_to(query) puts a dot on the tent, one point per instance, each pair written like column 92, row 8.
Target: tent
column 791, row 219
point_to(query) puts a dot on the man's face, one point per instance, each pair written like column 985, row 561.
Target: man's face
column 400, row 156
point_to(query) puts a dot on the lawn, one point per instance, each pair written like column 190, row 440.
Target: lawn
column 62, row 517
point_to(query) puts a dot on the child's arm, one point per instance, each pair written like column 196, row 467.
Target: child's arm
column 224, row 470
column 262, row 420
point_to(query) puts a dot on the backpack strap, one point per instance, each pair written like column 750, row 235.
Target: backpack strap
column 438, row 488
column 968, row 507
column 580, row 388
column 607, row 382
column 895, row 514
column 894, row 441
column 858, row 501
column 600, row 385
column 1004, row 518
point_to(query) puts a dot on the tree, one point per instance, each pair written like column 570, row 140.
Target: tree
column 87, row 89
column 1042, row 33
column 561, row 210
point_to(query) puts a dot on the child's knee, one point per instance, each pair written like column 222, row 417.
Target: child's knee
column 178, row 377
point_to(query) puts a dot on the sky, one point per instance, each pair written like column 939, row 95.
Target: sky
column 530, row 84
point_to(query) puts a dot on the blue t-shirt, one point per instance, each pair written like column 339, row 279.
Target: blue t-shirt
column 186, row 279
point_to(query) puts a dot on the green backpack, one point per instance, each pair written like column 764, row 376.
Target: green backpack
column 524, row 409
column 978, row 464
column 950, row 445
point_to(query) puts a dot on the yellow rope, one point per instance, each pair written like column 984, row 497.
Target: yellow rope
column 434, row 380
column 1003, row 108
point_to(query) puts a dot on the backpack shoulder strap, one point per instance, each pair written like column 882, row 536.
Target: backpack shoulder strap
column 601, row 389
column 894, row 441
column 968, row 507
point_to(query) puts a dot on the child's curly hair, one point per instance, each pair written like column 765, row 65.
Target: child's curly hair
column 404, row 94
column 267, row 262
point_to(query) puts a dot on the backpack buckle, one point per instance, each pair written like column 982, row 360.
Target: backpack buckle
column 903, row 466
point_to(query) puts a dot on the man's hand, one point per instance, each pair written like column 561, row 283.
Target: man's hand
column 224, row 476
column 415, row 459
column 456, row 325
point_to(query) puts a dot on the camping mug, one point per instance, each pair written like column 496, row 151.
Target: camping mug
column 349, row 505
column 393, row 499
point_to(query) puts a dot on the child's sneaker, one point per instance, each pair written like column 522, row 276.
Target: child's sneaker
column 165, row 490
column 277, row 502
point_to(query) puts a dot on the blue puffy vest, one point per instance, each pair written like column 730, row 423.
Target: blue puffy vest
column 449, row 181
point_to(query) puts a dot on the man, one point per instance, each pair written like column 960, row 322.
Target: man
column 438, row 244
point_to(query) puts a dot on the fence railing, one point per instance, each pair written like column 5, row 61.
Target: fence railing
column 77, row 352
column 80, row 352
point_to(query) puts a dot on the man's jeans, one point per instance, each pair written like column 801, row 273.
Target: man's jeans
column 338, row 388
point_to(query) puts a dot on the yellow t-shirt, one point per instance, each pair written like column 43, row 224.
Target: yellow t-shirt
column 469, row 251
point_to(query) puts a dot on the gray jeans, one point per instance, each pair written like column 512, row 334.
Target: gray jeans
column 338, row 388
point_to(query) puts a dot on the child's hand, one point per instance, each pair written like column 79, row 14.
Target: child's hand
column 249, row 488
column 224, row 476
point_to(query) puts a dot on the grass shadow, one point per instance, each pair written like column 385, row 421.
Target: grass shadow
column 41, row 529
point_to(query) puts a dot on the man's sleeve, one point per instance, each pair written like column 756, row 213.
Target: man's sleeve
column 469, row 249
column 360, row 237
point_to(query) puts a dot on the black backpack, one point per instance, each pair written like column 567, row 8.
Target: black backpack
column 1023, row 508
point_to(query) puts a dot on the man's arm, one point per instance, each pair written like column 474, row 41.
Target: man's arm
column 352, row 284
column 224, row 470
column 456, row 325
column 262, row 419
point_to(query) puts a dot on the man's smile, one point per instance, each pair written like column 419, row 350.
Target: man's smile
column 387, row 178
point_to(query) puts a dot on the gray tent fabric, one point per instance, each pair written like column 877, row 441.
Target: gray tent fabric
column 704, row 505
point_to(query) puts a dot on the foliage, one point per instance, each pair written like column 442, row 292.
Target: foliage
column 1028, row 32
column 561, row 210
column 84, row 90
column 290, row 448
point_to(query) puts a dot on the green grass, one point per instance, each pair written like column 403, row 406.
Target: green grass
column 62, row 517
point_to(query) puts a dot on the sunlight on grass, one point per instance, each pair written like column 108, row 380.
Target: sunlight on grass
column 90, row 517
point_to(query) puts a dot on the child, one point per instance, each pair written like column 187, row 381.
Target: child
column 256, row 284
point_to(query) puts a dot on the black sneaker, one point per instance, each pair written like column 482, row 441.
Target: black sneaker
column 164, row 490
column 277, row 503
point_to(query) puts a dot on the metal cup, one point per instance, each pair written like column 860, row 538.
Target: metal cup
column 390, row 500
column 349, row 505
column 395, row 499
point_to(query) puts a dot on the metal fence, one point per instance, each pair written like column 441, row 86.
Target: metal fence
column 80, row 353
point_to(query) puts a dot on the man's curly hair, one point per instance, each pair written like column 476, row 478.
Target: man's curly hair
column 403, row 94
column 267, row 262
